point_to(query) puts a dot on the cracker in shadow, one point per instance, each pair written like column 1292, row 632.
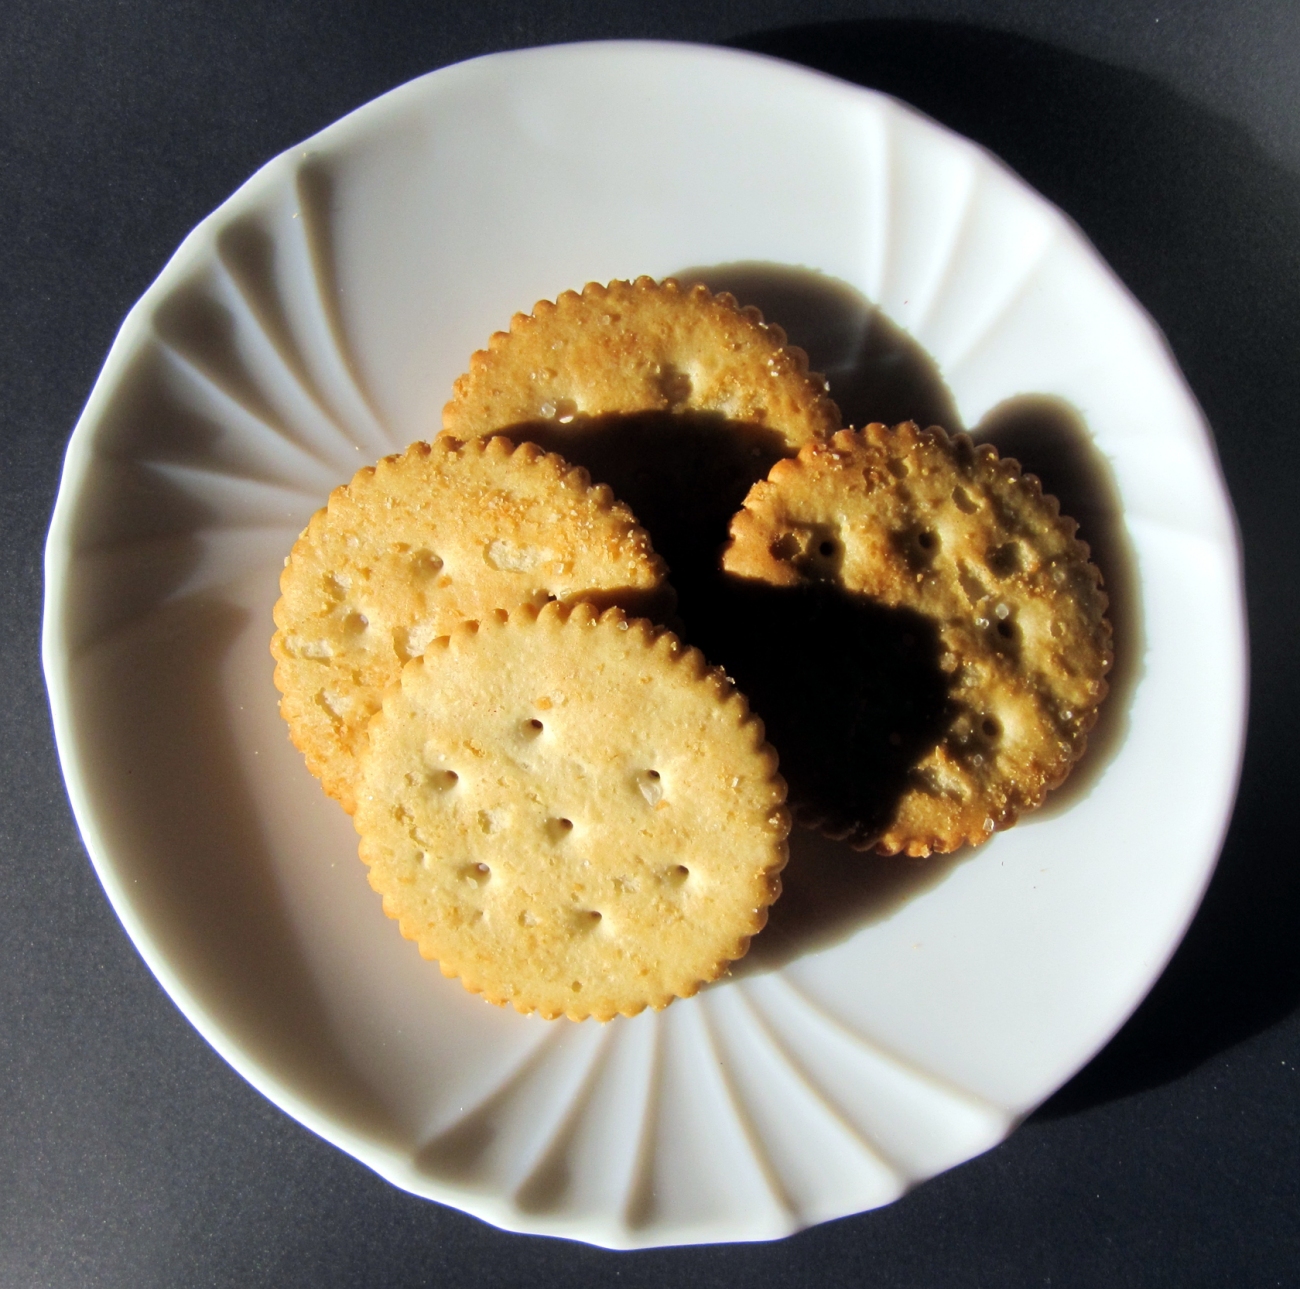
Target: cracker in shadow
column 1050, row 439
column 851, row 692
column 877, row 372
column 684, row 474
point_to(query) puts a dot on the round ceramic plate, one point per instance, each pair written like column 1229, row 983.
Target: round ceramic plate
column 896, row 1018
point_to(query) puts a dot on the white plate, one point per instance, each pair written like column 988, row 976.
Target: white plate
column 316, row 321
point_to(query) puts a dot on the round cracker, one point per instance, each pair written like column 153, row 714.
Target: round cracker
column 996, row 614
column 680, row 400
column 642, row 346
column 418, row 543
column 572, row 812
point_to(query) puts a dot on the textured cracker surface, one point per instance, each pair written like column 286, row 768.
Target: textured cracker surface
column 641, row 346
column 414, row 546
column 678, row 399
column 949, row 533
column 573, row 813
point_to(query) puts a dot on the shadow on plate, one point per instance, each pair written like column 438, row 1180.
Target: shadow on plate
column 1050, row 439
column 1132, row 161
column 876, row 370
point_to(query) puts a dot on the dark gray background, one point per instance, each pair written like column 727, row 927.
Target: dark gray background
column 130, row 1155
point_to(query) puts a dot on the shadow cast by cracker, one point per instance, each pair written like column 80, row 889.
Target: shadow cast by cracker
column 1051, row 440
column 877, row 372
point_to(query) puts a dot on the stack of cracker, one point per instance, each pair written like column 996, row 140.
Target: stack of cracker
column 562, row 804
column 559, row 802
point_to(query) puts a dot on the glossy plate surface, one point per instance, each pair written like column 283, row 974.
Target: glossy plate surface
column 895, row 1019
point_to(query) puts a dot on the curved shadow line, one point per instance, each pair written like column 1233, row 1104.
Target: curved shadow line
column 170, row 549
column 957, row 238
column 272, row 323
column 458, row 1145
column 638, row 1202
column 190, row 369
column 936, row 1082
column 202, row 484
column 314, row 184
column 736, row 1101
column 1004, row 308
column 816, row 1093
column 882, row 181
column 546, row 1180
column 199, row 326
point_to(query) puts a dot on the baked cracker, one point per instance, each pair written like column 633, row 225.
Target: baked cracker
column 420, row 542
column 572, row 812
column 992, row 613
column 677, row 398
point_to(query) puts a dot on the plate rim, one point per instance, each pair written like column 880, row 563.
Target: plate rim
column 78, row 461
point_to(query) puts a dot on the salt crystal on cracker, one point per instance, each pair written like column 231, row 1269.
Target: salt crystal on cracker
column 642, row 346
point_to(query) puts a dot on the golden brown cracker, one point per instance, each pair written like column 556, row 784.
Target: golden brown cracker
column 572, row 812
column 986, row 591
column 678, row 399
column 642, row 346
column 422, row 541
